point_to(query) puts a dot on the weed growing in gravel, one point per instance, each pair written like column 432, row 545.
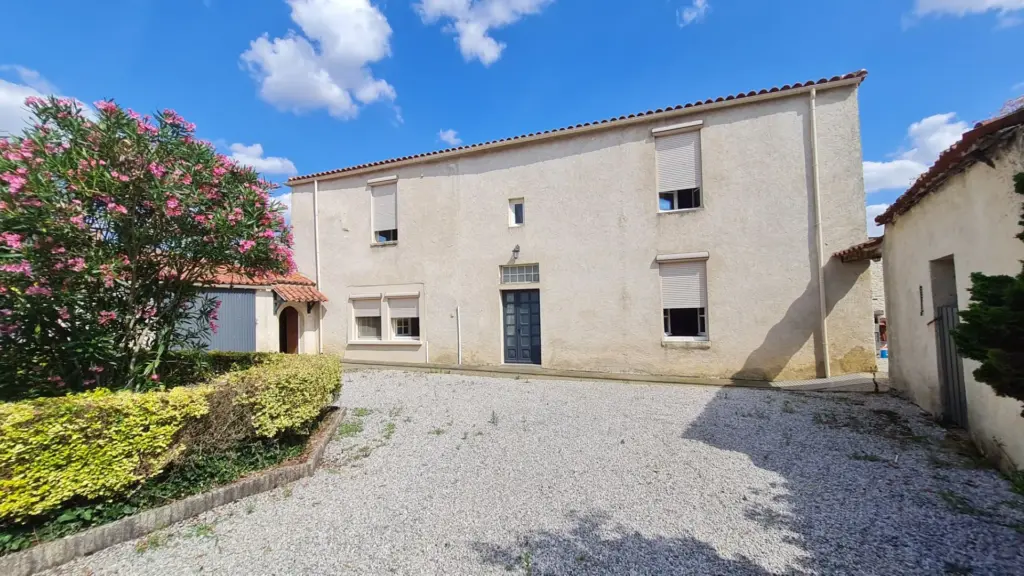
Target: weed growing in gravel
column 954, row 569
column 250, row 508
column 1017, row 482
column 287, row 492
column 200, row 531
column 438, row 431
column 395, row 412
column 526, row 561
column 758, row 413
column 865, row 457
column 389, row 430
column 361, row 412
column 961, row 505
column 788, row 408
column 151, row 542
column 494, row 418
column 350, row 428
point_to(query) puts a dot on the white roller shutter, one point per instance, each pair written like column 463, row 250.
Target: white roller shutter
column 385, row 201
column 678, row 161
column 404, row 307
column 684, row 284
column 366, row 308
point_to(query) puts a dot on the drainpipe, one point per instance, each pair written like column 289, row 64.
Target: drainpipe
column 458, row 331
column 316, row 258
column 818, row 232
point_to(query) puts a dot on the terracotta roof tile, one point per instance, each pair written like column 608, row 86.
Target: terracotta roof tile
column 953, row 159
column 859, row 75
column 295, row 293
column 238, row 279
column 870, row 250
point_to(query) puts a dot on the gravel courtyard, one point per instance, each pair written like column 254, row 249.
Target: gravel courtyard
column 443, row 474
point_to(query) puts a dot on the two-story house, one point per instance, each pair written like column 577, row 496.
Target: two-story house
column 691, row 240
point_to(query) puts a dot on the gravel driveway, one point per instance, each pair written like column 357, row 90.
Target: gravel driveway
column 441, row 474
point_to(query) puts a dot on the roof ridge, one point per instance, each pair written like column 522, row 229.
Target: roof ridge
column 860, row 74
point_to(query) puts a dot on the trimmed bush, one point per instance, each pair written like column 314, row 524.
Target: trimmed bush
column 101, row 445
column 288, row 393
column 185, row 368
column 89, row 445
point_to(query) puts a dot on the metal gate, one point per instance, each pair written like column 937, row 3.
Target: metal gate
column 951, row 367
column 236, row 321
column 522, row 326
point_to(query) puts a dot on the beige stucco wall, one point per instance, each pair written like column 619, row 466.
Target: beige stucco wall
column 266, row 322
column 592, row 223
column 972, row 217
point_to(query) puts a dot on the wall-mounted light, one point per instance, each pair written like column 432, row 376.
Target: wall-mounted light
column 515, row 252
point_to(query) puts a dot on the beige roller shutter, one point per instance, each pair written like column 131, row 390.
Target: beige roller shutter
column 684, row 284
column 385, row 203
column 678, row 161
column 404, row 307
column 366, row 308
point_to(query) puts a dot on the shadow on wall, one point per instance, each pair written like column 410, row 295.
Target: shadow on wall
column 799, row 324
column 595, row 545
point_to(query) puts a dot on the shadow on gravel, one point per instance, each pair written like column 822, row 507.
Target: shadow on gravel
column 596, row 546
column 859, row 491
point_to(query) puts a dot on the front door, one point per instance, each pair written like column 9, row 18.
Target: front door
column 522, row 326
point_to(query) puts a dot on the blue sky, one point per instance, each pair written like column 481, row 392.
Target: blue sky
column 298, row 86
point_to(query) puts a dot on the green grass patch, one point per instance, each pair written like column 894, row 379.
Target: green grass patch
column 389, row 430
column 350, row 428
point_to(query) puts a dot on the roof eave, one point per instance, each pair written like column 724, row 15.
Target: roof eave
column 689, row 109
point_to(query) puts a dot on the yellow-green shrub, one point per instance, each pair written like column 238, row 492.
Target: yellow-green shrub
column 288, row 393
column 89, row 445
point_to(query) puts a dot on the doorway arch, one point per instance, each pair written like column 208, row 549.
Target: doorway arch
column 288, row 330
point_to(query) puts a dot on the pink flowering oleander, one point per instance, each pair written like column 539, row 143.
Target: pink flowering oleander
column 105, row 106
column 245, row 245
column 107, row 316
column 156, row 170
column 38, row 291
column 23, row 267
column 76, row 264
column 12, row 240
column 14, row 181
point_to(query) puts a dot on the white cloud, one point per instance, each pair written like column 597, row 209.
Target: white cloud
column 873, row 211
column 693, row 13
column 472, row 20
column 928, row 139
column 1005, row 8
column 285, row 198
column 327, row 66
column 253, row 156
column 14, row 115
column 450, row 137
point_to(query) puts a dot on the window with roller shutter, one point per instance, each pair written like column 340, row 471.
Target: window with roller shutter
column 678, row 171
column 684, row 299
column 384, row 198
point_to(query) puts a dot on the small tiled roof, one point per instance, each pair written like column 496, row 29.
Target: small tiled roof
column 870, row 250
column 956, row 158
column 294, row 293
column 292, row 287
column 860, row 75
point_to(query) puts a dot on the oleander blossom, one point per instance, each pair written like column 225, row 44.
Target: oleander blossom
column 107, row 316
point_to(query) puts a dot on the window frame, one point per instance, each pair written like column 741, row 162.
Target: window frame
column 397, row 335
column 375, row 235
column 675, row 194
column 512, row 203
column 702, row 322
column 380, row 329
column 519, row 274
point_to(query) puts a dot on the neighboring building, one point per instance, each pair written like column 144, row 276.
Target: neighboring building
column 960, row 217
column 680, row 241
column 275, row 314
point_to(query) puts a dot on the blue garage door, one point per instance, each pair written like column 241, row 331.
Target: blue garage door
column 236, row 319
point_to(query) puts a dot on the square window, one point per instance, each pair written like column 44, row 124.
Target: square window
column 368, row 327
column 406, row 327
column 516, row 212
column 666, row 201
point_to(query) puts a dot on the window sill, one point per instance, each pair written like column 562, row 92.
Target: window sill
column 685, row 343
column 409, row 342
column 377, row 244
column 516, row 225
column 681, row 210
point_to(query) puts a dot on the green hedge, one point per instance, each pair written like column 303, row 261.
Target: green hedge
column 101, row 445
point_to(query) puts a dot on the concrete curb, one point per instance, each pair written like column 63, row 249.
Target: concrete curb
column 51, row 554
column 865, row 382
